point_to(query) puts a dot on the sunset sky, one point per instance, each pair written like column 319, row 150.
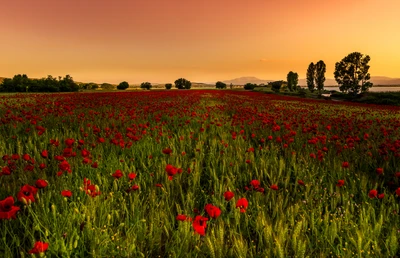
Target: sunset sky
column 203, row 41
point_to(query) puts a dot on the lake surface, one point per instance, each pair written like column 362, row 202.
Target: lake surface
column 373, row 89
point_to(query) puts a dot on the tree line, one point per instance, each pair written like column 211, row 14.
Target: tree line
column 21, row 83
column 351, row 74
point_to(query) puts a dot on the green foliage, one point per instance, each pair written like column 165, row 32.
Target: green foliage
column 220, row 85
column 250, row 86
column 378, row 98
column 311, row 77
column 123, row 85
column 317, row 219
column 168, row 86
column 21, row 83
column 352, row 73
column 107, row 86
column 67, row 84
column 182, row 83
column 89, row 86
column 292, row 80
column 320, row 69
column 146, row 85
column 276, row 86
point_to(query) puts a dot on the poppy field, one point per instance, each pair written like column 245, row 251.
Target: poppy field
column 199, row 173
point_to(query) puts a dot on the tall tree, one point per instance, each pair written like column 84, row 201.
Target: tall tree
column 352, row 73
column 311, row 77
column 320, row 69
column 293, row 80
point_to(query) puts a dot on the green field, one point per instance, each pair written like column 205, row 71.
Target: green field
column 199, row 173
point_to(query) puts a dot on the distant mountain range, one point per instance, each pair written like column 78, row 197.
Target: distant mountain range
column 376, row 80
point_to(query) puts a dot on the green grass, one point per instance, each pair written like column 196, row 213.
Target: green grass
column 318, row 219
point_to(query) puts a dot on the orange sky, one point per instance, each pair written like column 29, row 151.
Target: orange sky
column 203, row 41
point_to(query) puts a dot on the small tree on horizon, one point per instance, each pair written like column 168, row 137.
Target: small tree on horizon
column 220, row 85
column 250, row 86
column 276, row 86
column 168, row 86
column 351, row 71
column 311, row 77
column 182, row 83
column 146, row 85
column 123, row 85
column 107, row 86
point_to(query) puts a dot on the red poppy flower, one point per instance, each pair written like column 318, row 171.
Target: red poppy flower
column 118, row 174
column 200, row 224
column 42, row 166
column 134, row 187
column 345, row 164
column 85, row 153
column 242, row 203
column 40, row 183
column 6, row 171
column 250, row 149
column 39, row 247
column 29, row 167
column 59, row 158
column 373, row 193
column 26, row 157
column 397, row 174
column 274, row 187
column 381, row 196
column 167, row 151
column 181, row 217
column 64, row 166
column 300, row 182
column 66, row 193
column 212, row 211
column 69, row 142
column 255, row 183
column 44, row 154
column 171, row 171
column 228, row 195
column 379, row 171
column 159, row 185
column 131, row 176
column 94, row 165
column 340, row 183
column 7, row 208
column 398, row 191
column 15, row 157
column 90, row 188
column 27, row 194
